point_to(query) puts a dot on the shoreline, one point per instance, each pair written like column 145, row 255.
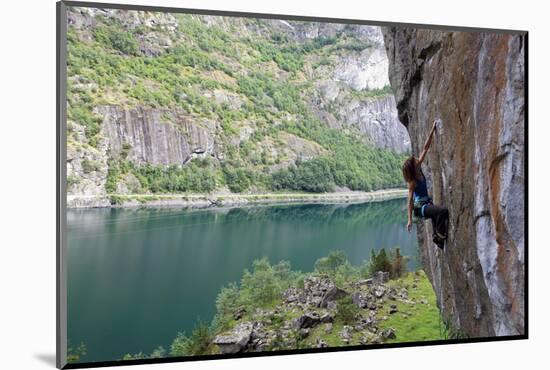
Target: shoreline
column 219, row 200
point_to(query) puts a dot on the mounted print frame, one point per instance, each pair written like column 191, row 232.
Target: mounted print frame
column 236, row 184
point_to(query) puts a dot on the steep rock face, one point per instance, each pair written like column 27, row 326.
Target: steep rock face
column 368, row 70
column 375, row 118
column 473, row 83
column 156, row 136
column 350, row 71
column 142, row 135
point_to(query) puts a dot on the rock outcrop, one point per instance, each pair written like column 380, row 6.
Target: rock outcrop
column 474, row 83
column 156, row 136
column 375, row 118
column 301, row 320
column 236, row 340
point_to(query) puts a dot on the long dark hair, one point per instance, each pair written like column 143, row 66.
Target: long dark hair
column 410, row 172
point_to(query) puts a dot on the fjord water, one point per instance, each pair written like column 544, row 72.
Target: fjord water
column 137, row 277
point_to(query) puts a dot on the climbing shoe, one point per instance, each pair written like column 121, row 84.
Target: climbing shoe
column 439, row 241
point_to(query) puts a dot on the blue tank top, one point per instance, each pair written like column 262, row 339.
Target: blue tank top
column 420, row 188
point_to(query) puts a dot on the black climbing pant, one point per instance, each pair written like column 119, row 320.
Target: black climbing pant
column 439, row 217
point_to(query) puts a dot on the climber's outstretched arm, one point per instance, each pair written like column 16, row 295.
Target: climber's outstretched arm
column 410, row 207
column 427, row 145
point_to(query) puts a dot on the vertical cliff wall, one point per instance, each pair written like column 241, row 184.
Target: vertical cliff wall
column 474, row 83
column 157, row 136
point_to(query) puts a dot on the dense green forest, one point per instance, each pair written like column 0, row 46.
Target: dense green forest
column 107, row 67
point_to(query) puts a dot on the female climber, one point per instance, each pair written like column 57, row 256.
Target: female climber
column 419, row 200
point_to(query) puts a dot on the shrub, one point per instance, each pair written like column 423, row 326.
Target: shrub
column 89, row 165
column 82, row 114
column 72, row 180
column 262, row 285
column 124, row 42
column 374, row 93
column 135, row 356
column 451, row 331
column 323, row 61
column 116, row 200
column 394, row 263
column 379, row 262
column 120, row 40
column 196, row 344
column 113, row 174
column 329, row 264
column 353, row 46
column 159, row 352
column 180, row 345
column 126, row 147
column 336, row 266
column 398, row 264
column 227, row 299
column 198, row 176
column 314, row 175
column 238, row 179
column 346, row 311
column 75, row 354
column 258, row 288
column 282, row 271
column 266, row 92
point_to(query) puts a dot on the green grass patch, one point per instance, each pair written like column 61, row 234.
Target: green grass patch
column 423, row 323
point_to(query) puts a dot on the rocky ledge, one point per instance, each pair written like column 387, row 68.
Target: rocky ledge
column 322, row 314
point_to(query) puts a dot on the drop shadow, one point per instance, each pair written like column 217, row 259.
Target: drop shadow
column 47, row 358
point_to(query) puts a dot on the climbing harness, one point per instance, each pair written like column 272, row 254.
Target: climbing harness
column 420, row 204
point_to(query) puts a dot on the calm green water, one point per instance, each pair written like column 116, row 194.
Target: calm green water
column 137, row 277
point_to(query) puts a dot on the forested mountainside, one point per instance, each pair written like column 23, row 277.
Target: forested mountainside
column 166, row 103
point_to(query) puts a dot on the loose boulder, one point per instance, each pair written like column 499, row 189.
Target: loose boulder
column 380, row 277
column 236, row 340
column 346, row 334
column 360, row 300
column 378, row 291
column 333, row 294
column 388, row 333
column 307, row 320
column 316, row 289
